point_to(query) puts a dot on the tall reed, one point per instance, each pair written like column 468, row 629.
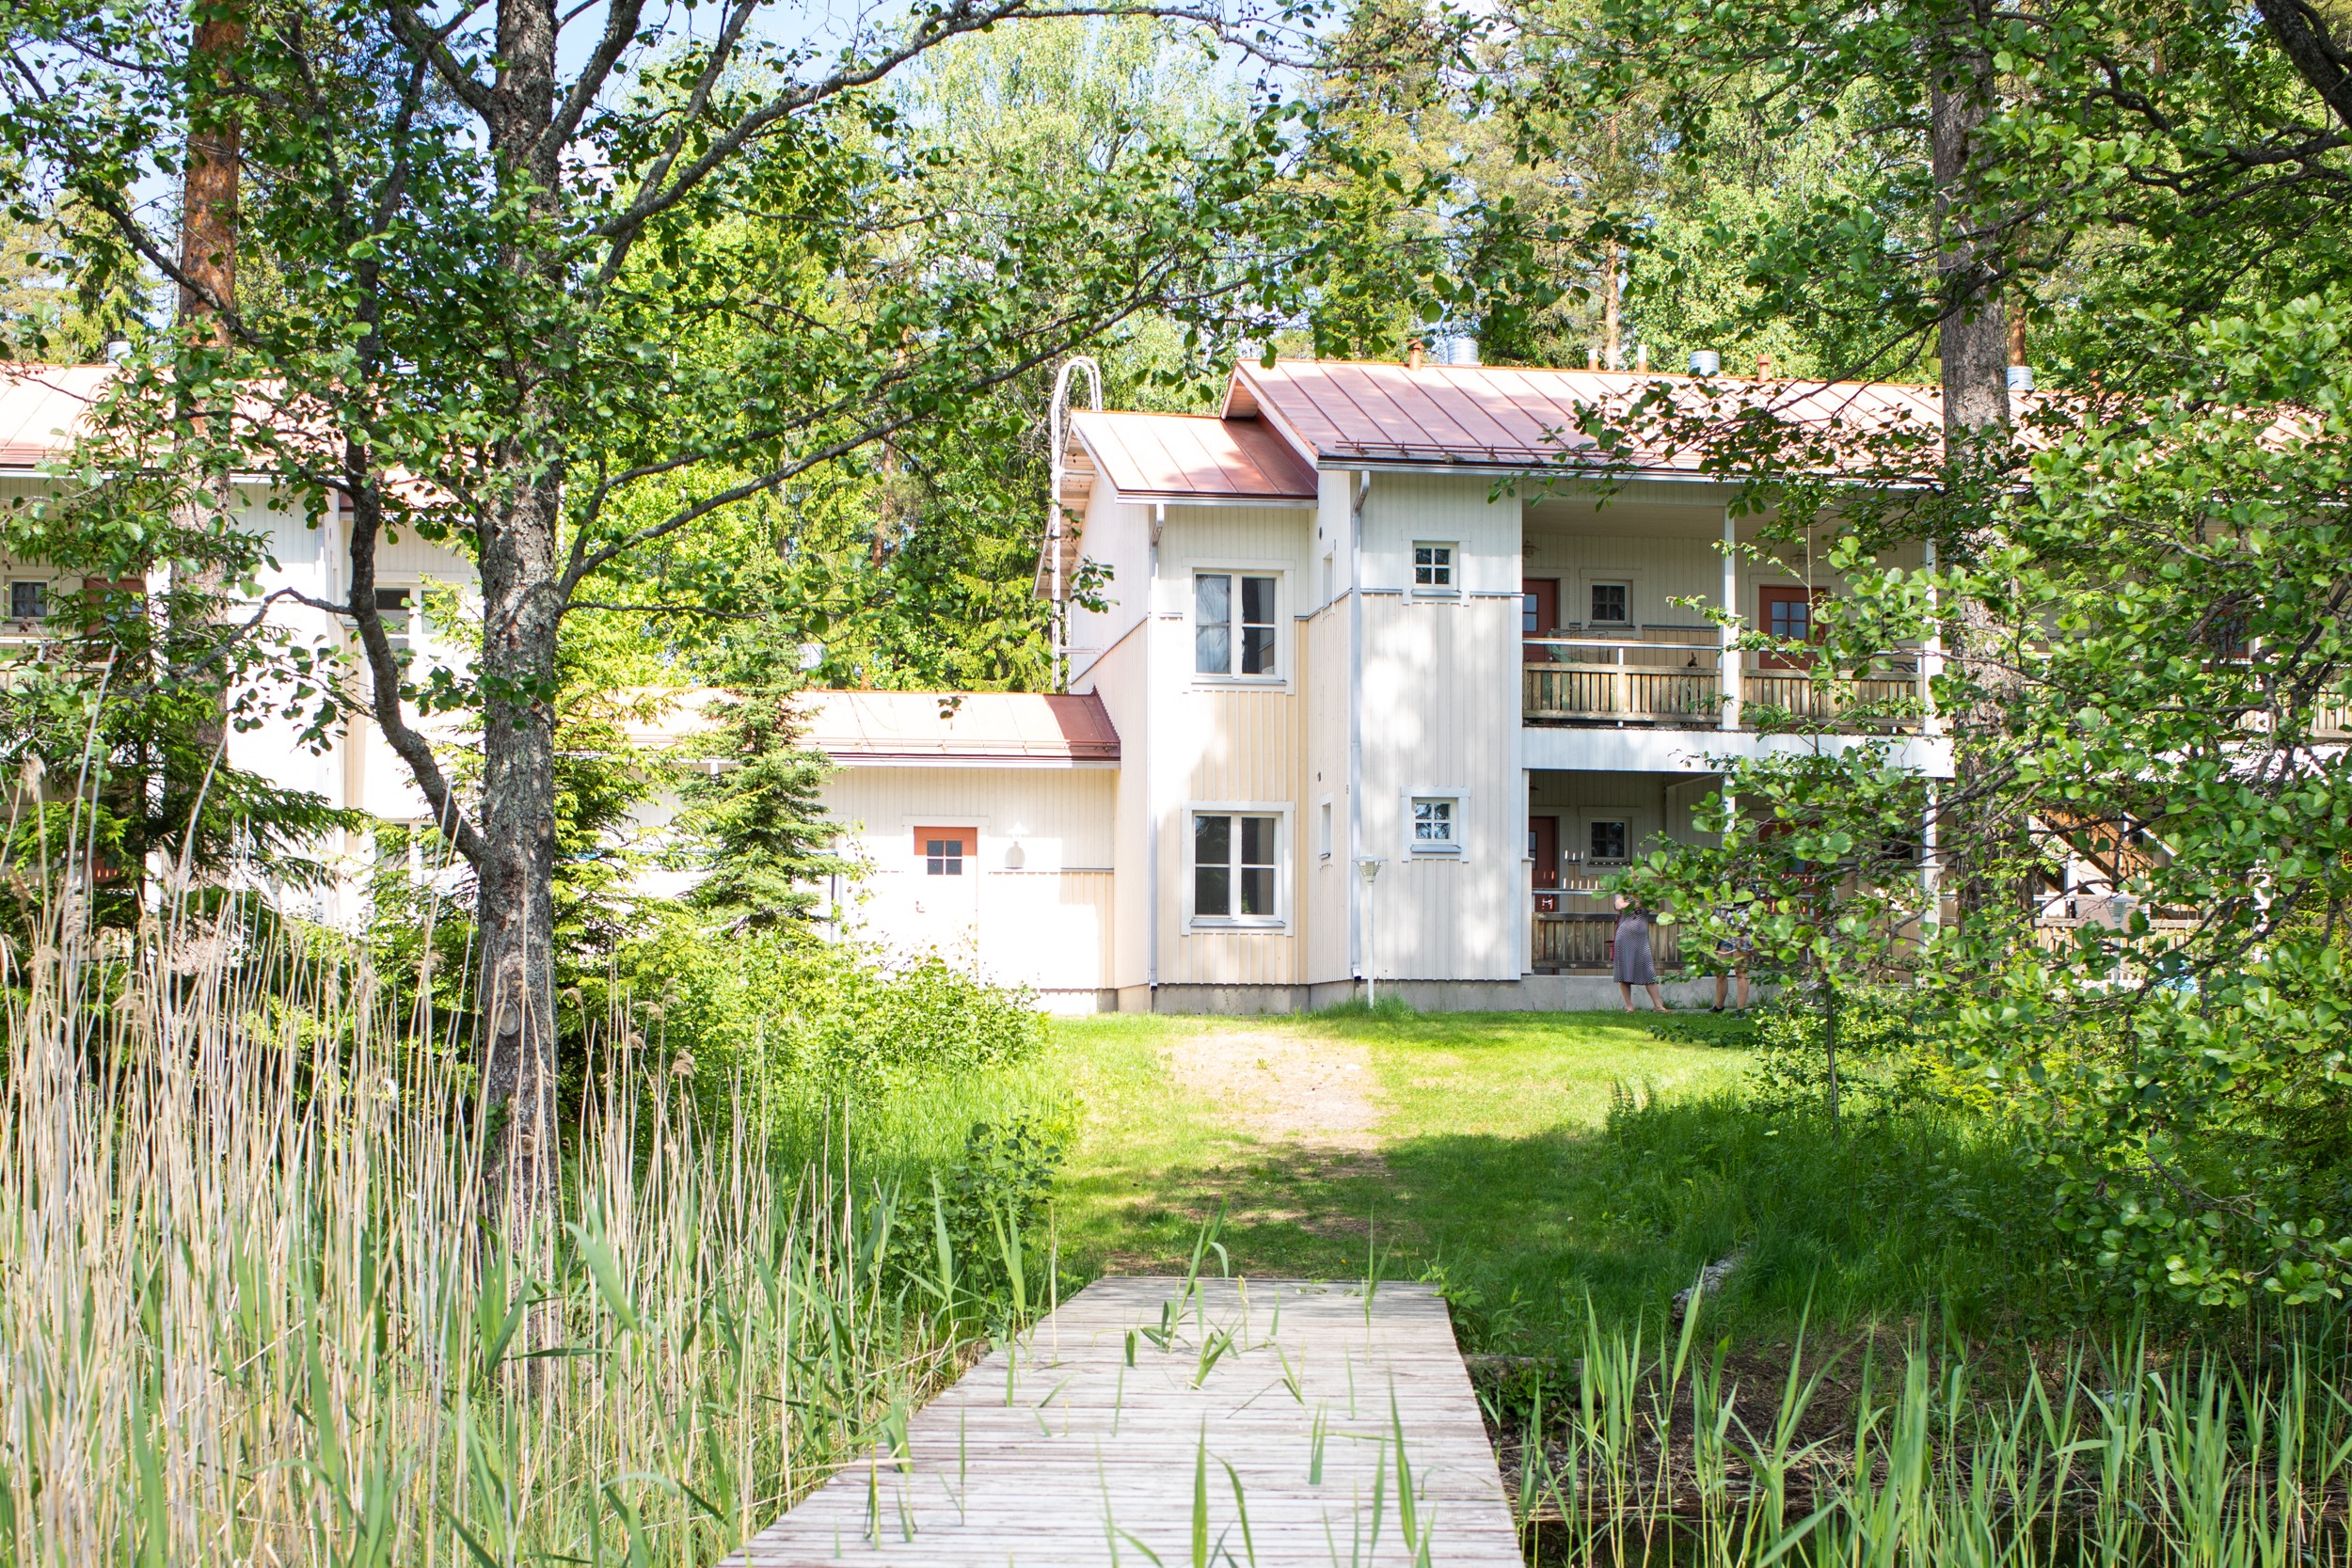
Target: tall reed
column 254, row 1308
column 2101, row 1459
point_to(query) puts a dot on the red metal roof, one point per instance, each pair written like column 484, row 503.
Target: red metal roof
column 42, row 407
column 871, row 727
column 1344, row 411
column 1194, row 455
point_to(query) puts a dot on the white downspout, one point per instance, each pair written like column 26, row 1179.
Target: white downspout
column 1151, row 826
column 1359, row 486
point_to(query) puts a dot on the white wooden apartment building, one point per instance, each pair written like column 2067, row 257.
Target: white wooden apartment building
column 1381, row 690
column 44, row 409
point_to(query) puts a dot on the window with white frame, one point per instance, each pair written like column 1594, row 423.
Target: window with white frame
column 400, row 612
column 1235, row 868
column 28, row 601
column 1435, row 822
column 1233, row 623
column 1610, row 605
column 1433, row 567
column 1608, row 839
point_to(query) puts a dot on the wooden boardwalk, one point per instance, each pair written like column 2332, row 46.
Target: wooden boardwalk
column 1267, row 1422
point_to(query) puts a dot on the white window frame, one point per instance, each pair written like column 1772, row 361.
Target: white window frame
column 1594, row 820
column 1452, row 566
column 1598, row 580
column 1283, row 830
column 1279, row 649
column 48, row 602
column 1453, row 849
column 414, row 638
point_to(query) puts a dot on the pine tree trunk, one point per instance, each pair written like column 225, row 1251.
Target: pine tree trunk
column 208, row 261
column 1972, row 339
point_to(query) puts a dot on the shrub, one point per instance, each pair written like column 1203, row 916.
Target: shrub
column 993, row 1204
column 1879, row 1066
column 778, row 1012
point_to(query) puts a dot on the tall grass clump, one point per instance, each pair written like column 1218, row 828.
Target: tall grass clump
column 261, row 1304
column 1665, row 1449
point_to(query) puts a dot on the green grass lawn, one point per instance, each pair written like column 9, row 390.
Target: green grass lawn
column 1537, row 1163
column 1533, row 1163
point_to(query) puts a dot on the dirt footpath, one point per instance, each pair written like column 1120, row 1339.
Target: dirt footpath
column 1279, row 1088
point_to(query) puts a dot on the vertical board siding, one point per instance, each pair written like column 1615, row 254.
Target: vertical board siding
column 1325, row 884
column 1121, row 678
column 1117, row 536
column 1229, row 743
column 1049, row 922
column 1441, row 714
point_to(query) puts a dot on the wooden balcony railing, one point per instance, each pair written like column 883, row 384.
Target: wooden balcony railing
column 1565, row 941
column 1665, row 677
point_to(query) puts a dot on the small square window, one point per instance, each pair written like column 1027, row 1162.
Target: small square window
column 1613, row 604
column 943, row 850
column 1608, row 841
column 1433, row 567
column 1436, row 822
column 28, row 601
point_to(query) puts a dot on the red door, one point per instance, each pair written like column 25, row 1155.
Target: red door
column 1539, row 614
column 1543, row 847
column 1786, row 613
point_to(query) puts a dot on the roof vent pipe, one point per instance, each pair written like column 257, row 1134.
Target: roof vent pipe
column 1461, row 350
column 117, row 350
column 1412, row 355
column 2021, row 378
column 1706, row 361
column 1640, row 358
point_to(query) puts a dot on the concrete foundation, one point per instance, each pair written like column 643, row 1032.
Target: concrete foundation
column 1533, row 993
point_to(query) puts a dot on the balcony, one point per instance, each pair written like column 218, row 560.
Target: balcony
column 1672, row 677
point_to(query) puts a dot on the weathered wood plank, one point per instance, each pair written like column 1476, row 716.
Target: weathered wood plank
column 1267, row 1422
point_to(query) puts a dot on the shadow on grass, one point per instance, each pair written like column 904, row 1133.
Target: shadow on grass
column 1854, row 1222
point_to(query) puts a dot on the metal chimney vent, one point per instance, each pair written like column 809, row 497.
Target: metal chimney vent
column 1706, row 361
column 2021, row 378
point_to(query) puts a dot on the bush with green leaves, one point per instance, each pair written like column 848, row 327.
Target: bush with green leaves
column 991, row 1207
column 777, row 1011
column 1878, row 1066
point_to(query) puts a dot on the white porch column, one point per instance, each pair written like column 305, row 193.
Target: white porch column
column 1729, row 662
column 1931, row 872
column 1932, row 656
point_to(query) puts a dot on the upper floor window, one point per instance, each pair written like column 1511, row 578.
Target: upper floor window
column 1233, row 866
column 943, row 850
column 1432, row 569
column 1436, row 822
column 398, row 607
column 28, row 601
column 1613, row 604
column 1232, row 615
